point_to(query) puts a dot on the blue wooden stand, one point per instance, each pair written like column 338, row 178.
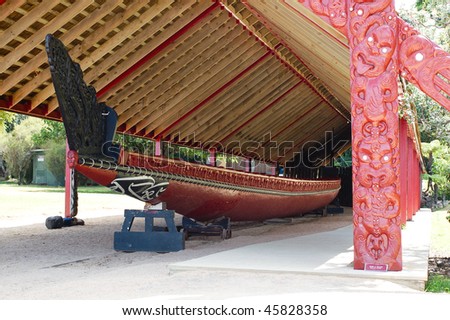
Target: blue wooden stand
column 154, row 239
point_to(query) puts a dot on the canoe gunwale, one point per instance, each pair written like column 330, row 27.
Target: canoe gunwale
column 308, row 187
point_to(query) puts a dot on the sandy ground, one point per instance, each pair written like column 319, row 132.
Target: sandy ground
column 80, row 263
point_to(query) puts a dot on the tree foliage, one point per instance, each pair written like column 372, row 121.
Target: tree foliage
column 18, row 146
column 5, row 117
column 432, row 18
column 439, row 160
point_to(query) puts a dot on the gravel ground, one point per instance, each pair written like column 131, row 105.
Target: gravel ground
column 80, row 263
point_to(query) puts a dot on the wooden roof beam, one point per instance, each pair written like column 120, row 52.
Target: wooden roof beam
column 228, row 98
column 151, row 54
column 259, row 113
column 22, row 24
column 8, row 8
column 258, row 97
column 39, row 35
column 107, row 47
column 214, row 94
column 75, row 52
column 204, row 85
column 290, row 153
column 150, row 80
column 315, row 83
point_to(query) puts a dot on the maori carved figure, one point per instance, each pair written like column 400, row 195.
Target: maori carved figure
column 373, row 42
column 335, row 10
column 426, row 65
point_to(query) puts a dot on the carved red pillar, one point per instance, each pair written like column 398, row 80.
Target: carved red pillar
column 403, row 170
column 411, row 190
column 373, row 39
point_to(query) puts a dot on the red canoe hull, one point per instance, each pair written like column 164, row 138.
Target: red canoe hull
column 206, row 193
column 205, row 203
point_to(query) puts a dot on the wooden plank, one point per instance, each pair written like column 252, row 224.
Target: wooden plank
column 40, row 59
column 156, row 71
column 258, row 98
column 38, row 37
column 107, row 47
column 227, row 101
column 258, row 89
column 274, row 118
column 141, row 38
column 9, row 7
column 205, row 83
column 22, row 24
column 154, row 82
column 284, row 21
column 317, row 135
column 195, row 84
column 205, row 117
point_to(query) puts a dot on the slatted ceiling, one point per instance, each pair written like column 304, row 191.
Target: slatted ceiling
column 275, row 119
column 118, row 96
column 239, row 114
column 264, row 96
column 327, row 58
column 170, row 69
column 111, row 44
column 75, row 51
column 205, row 84
column 171, row 65
column 206, row 117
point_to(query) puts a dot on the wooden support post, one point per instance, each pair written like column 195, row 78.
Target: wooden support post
column 212, row 157
column 248, row 165
column 410, row 202
column 403, row 169
column 419, row 184
column 158, row 149
column 373, row 39
column 71, row 192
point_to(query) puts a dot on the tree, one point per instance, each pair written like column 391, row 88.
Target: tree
column 439, row 167
column 52, row 138
column 18, row 146
column 51, row 131
column 5, row 117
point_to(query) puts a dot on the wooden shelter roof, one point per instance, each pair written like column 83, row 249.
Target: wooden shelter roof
column 199, row 73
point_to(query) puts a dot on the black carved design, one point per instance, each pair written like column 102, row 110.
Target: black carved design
column 85, row 119
column 143, row 188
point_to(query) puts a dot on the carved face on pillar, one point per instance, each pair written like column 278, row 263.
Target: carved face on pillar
column 377, row 245
column 337, row 12
column 374, row 56
column 72, row 158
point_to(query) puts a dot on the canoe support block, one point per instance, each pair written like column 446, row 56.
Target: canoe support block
column 153, row 238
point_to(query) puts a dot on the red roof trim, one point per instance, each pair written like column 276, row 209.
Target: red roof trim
column 214, row 94
column 269, row 106
column 157, row 50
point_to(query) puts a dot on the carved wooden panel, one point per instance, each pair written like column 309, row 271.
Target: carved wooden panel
column 373, row 35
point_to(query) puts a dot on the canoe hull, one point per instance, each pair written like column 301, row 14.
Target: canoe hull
column 203, row 199
column 206, row 203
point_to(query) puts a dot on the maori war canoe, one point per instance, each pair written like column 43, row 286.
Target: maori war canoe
column 196, row 191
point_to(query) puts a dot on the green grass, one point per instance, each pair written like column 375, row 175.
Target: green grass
column 438, row 283
column 42, row 188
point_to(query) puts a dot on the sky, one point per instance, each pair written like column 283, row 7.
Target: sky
column 404, row 4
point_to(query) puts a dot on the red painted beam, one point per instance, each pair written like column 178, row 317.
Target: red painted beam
column 293, row 122
column 282, row 42
column 304, row 140
column 403, row 137
column 157, row 50
column 268, row 107
column 316, row 24
column 214, row 94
